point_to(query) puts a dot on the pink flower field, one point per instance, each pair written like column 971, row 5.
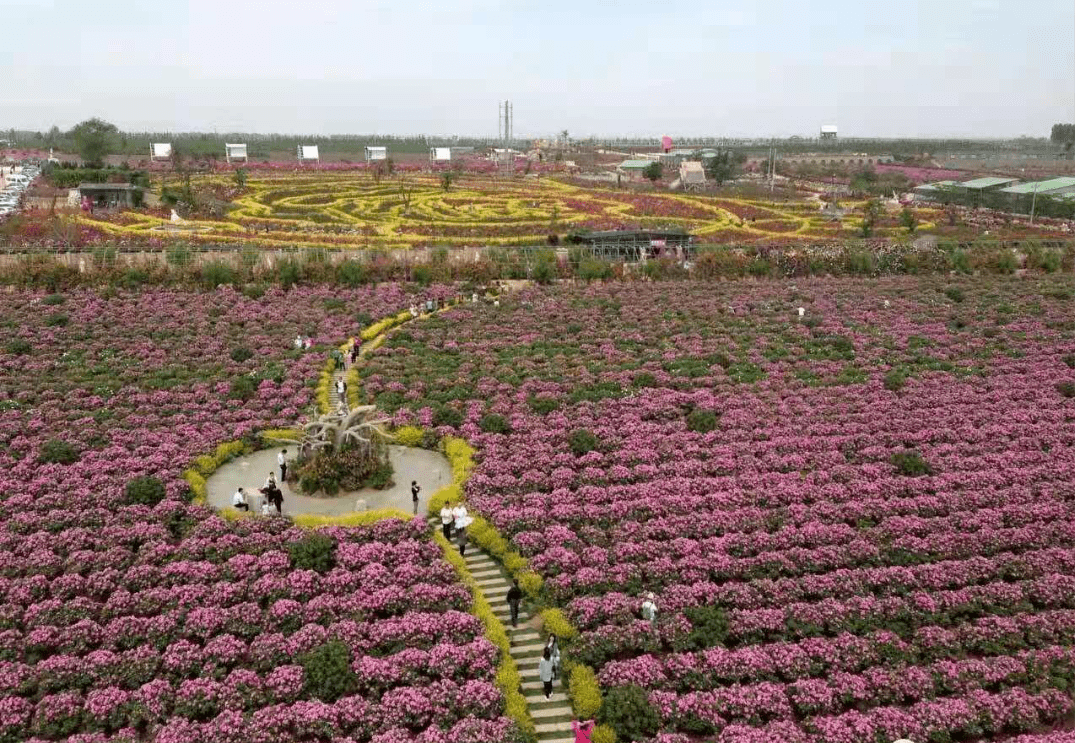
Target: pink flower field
column 858, row 523
column 124, row 621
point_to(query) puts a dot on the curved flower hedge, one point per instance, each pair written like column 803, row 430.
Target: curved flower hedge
column 857, row 522
column 165, row 622
column 324, row 209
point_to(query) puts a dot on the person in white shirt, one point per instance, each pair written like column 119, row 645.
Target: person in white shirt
column 414, row 311
column 553, row 646
column 239, row 500
column 545, row 672
column 460, row 517
column 281, row 459
column 341, row 390
column 446, row 519
column 649, row 608
column 298, row 342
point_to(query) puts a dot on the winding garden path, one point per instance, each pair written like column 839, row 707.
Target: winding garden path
column 552, row 717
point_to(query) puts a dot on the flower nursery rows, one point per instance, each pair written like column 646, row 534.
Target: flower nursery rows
column 853, row 500
column 127, row 618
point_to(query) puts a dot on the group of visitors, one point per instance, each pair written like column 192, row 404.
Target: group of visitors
column 270, row 497
column 303, row 343
column 455, row 518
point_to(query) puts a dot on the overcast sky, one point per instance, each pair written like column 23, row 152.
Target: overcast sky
column 985, row 68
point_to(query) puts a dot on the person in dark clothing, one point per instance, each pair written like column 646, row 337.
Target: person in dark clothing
column 461, row 537
column 515, row 595
column 356, row 348
column 415, row 489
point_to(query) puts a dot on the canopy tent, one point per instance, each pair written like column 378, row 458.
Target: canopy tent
column 234, row 152
column 376, row 153
column 440, row 154
column 309, row 153
column 160, row 151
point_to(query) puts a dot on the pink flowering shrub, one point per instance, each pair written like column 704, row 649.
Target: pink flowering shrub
column 846, row 600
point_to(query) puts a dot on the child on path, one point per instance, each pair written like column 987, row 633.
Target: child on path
column 461, row 538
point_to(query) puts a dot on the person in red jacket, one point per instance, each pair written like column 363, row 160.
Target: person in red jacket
column 583, row 730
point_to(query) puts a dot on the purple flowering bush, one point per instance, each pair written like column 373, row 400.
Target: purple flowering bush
column 168, row 623
column 848, row 596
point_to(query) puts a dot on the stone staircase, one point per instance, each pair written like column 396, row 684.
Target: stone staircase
column 552, row 717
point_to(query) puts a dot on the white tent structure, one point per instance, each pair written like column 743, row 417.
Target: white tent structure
column 829, row 131
column 376, row 153
column 160, row 151
column 308, row 153
column 234, row 152
column 440, row 154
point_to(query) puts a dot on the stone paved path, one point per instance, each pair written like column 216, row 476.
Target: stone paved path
column 552, row 717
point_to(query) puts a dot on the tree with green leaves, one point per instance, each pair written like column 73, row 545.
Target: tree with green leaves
column 1063, row 134
column 653, row 171
column 909, row 220
column 871, row 212
column 95, row 139
column 722, row 167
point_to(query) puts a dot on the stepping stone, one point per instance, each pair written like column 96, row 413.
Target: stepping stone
column 530, row 647
column 549, row 728
column 551, row 714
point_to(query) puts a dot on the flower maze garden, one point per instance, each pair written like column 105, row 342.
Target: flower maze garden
column 851, row 498
column 414, row 210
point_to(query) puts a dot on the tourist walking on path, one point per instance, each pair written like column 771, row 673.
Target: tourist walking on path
column 341, row 392
column 545, row 672
column 460, row 517
column 514, row 597
column 583, row 731
column 461, row 539
column 649, row 608
column 446, row 519
column 239, row 500
column 553, row 646
column 356, row 347
column 281, row 459
column 415, row 489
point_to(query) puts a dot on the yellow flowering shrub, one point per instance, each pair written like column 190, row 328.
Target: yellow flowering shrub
column 556, row 623
column 584, row 691
column 355, row 518
column 409, row 435
column 603, row 734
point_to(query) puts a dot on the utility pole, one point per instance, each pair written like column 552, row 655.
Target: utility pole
column 1033, row 203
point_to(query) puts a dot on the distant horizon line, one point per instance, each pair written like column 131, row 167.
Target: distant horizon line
column 549, row 136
